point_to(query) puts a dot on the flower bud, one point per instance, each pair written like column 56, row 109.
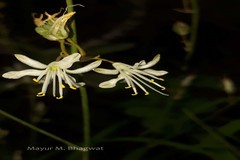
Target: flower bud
column 53, row 28
column 181, row 28
column 228, row 85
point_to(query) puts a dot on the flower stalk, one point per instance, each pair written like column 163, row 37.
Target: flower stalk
column 83, row 91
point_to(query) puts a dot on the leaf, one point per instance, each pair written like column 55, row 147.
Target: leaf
column 230, row 128
column 203, row 105
column 203, row 81
column 136, row 154
column 106, row 132
column 221, row 155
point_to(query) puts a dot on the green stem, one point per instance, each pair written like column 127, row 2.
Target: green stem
column 82, row 52
column 63, row 48
column 86, row 117
column 36, row 128
column 83, row 91
column 194, row 26
column 212, row 132
column 73, row 25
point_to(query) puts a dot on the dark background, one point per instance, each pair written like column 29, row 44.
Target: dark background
column 196, row 122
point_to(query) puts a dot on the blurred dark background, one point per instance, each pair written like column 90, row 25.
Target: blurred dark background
column 199, row 120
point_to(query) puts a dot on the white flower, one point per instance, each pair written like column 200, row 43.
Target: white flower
column 136, row 75
column 56, row 71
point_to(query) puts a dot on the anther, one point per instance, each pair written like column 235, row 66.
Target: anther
column 61, row 97
column 151, row 80
column 146, row 93
column 62, row 85
column 134, row 94
column 40, row 94
column 161, row 79
column 163, row 88
column 73, row 88
column 128, row 87
column 35, row 80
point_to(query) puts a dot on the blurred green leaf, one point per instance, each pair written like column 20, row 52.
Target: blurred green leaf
column 97, row 138
column 74, row 155
column 230, row 128
column 221, row 155
column 198, row 105
column 136, row 154
column 205, row 81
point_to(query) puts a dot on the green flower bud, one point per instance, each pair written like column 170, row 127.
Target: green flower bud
column 53, row 28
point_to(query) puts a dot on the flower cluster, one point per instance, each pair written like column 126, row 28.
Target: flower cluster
column 54, row 28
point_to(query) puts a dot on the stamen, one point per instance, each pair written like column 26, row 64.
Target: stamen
column 163, row 88
column 62, row 85
column 73, row 88
column 146, row 93
column 151, row 80
column 35, row 80
column 61, row 97
column 134, row 94
column 40, row 94
column 128, row 87
column 161, row 79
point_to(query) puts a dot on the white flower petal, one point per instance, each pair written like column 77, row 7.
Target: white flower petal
column 109, row 84
column 106, row 71
column 86, row 68
column 141, row 63
column 121, row 66
column 80, row 84
column 151, row 63
column 155, row 72
column 67, row 62
column 19, row 74
column 30, row 62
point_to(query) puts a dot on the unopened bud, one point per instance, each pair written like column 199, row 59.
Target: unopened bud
column 228, row 85
column 53, row 28
column 181, row 28
column 187, row 80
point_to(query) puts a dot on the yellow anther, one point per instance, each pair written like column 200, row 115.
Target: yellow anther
column 128, row 87
column 163, row 88
column 35, row 80
column 73, row 88
column 151, row 80
column 146, row 93
column 61, row 97
column 161, row 79
column 134, row 94
column 62, row 85
column 40, row 94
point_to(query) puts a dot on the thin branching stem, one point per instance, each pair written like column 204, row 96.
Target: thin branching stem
column 81, row 51
column 63, row 48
